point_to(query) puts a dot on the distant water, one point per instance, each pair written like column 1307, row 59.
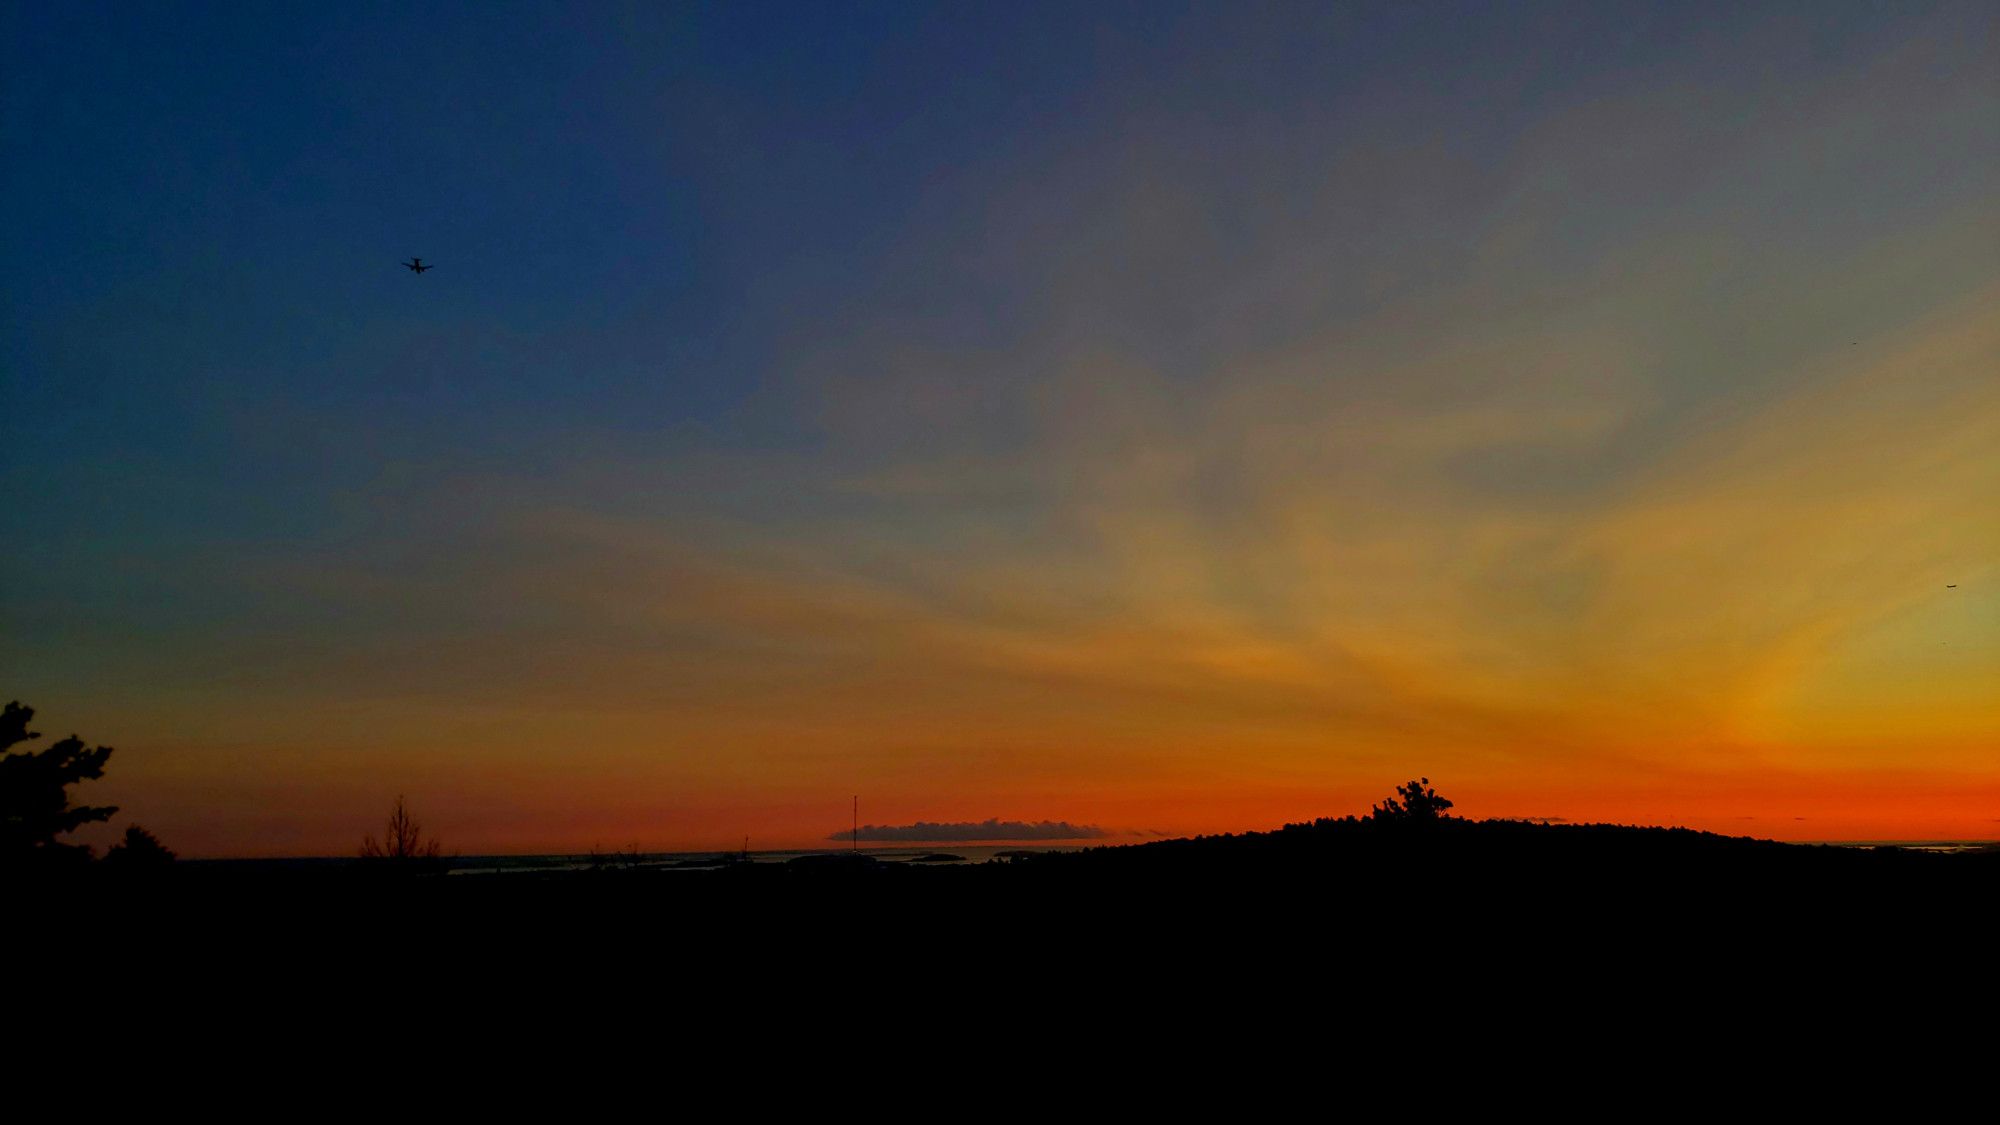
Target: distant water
column 696, row 861
column 1919, row 845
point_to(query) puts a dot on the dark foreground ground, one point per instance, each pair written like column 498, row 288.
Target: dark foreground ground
column 1340, row 951
column 1333, row 883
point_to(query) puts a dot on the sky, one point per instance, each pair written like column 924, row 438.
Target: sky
column 1150, row 418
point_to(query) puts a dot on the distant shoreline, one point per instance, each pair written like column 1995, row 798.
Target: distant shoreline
column 984, row 850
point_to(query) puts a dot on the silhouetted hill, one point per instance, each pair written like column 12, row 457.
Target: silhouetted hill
column 1455, row 863
column 1499, row 864
column 1493, row 847
column 1353, row 913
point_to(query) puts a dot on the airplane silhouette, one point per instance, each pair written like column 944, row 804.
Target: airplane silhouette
column 416, row 265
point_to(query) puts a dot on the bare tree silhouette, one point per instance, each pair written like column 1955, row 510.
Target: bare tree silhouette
column 404, row 840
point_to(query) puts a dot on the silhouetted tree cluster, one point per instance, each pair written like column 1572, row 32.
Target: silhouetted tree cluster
column 1414, row 803
column 140, row 850
column 34, row 794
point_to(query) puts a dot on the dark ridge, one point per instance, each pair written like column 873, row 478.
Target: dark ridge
column 1349, row 907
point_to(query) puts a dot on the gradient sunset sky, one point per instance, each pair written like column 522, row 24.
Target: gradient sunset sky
column 1163, row 418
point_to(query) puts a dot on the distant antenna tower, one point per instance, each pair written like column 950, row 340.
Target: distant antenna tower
column 855, row 844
